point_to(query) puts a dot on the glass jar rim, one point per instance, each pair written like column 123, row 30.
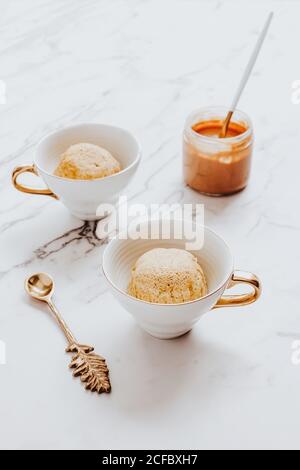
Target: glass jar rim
column 220, row 109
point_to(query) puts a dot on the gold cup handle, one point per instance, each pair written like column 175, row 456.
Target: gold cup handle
column 240, row 277
column 25, row 189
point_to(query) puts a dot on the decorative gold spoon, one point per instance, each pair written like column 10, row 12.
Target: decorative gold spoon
column 92, row 369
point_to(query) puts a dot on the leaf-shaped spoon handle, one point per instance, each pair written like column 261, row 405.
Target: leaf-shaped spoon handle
column 67, row 332
column 87, row 365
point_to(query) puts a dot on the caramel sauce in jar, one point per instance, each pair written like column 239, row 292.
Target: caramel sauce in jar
column 215, row 166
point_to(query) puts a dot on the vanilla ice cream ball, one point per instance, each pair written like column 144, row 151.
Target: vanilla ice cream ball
column 167, row 276
column 86, row 161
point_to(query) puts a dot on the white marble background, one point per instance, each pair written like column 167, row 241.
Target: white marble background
column 144, row 65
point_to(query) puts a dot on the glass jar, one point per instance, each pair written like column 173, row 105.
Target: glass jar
column 212, row 165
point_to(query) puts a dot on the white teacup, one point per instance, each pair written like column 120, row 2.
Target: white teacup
column 83, row 197
column 166, row 321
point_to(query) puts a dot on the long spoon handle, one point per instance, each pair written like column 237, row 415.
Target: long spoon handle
column 67, row 332
column 246, row 74
column 252, row 61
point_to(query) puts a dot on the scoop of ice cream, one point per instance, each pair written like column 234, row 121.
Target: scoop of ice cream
column 167, row 276
column 87, row 161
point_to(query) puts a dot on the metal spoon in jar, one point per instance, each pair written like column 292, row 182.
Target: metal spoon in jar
column 246, row 75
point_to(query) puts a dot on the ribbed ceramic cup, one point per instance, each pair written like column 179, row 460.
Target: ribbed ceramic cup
column 83, row 197
column 166, row 321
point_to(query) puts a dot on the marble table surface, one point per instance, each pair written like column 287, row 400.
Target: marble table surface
column 233, row 382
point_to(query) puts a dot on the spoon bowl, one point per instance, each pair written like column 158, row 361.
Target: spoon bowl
column 40, row 286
